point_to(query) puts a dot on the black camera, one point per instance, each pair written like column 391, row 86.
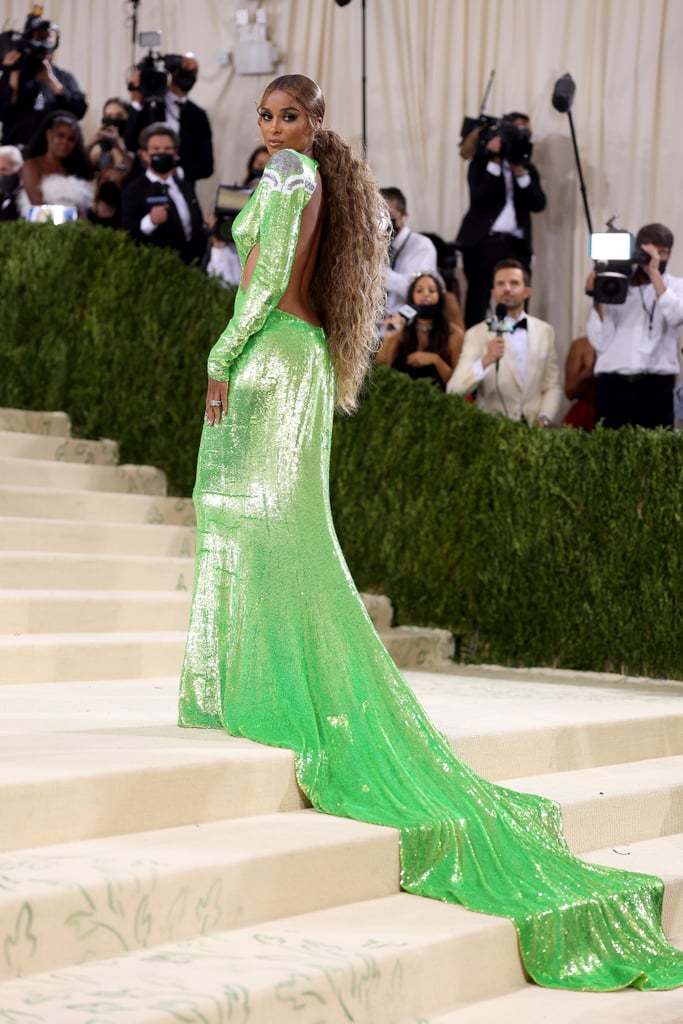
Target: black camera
column 516, row 145
column 33, row 50
column 615, row 262
column 230, row 200
column 155, row 67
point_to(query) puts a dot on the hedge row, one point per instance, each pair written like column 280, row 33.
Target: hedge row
column 534, row 548
column 115, row 334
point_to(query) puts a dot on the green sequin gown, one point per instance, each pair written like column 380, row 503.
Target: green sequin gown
column 282, row 651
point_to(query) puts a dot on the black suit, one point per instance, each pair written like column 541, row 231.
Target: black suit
column 134, row 208
column 196, row 147
column 482, row 250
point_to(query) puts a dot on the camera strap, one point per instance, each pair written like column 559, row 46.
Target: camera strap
column 649, row 313
column 395, row 253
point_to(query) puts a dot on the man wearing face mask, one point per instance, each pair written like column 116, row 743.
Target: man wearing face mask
column 188, row 120
column 11, row 162
column 161, row 208
column 408, row 253
column 637, row 342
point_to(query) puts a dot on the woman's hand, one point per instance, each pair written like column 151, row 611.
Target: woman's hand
column 216, row 401
column 421, row 359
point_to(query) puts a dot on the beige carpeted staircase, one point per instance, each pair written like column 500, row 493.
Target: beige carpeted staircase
column 152, row 875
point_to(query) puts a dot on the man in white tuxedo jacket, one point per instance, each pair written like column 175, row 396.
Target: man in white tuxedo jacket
column 515, row 374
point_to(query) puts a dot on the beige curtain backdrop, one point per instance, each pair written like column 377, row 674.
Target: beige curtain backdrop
column 428, row 64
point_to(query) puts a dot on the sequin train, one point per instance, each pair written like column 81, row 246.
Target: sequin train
column 281, row 650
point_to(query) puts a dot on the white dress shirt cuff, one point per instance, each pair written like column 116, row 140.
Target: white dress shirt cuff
column 147, row 226
column 479, row 371
column 495, row 169
column 524, row 180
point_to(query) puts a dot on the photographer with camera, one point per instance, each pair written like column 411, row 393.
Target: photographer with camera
column 637, row 341
column 31, row 85
column 161, row 208
column 505, row 189
column 159, row 93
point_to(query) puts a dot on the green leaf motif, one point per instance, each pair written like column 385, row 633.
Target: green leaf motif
column 20, row 947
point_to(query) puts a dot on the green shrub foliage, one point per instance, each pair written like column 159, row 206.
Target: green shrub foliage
column 534, row 547
column 114, row 334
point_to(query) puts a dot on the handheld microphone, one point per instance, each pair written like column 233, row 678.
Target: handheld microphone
column 499, row 325
column 407, row 312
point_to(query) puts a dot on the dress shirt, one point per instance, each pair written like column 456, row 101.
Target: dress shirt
column 225, row 263
column 173, row 105
column 506, row 221
column 518, row 342
column 411, row 252
column 147, row 226
column 640, row 336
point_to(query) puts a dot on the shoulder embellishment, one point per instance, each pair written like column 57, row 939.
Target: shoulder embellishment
column 286, row 172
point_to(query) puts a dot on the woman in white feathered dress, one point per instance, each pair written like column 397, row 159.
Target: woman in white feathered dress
column 57, row 169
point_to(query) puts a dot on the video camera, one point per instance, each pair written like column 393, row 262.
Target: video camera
column 230, row 200
column 155, row 67
column 615, row 262
column 516, row 142
column 33, row 51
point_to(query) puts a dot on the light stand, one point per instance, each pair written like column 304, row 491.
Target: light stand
column 134, row 30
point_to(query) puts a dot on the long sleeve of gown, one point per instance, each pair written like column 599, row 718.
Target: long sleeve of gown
column 285, row 188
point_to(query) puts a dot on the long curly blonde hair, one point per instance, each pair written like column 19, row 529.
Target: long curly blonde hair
column 348, row 285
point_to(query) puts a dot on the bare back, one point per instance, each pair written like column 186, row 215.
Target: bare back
column 296, row 298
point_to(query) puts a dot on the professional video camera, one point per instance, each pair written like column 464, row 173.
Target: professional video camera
column 155, row 67
column 516, row 141
column 615, row 262
column 477, row 132
column 230, row 200
column 38, row 38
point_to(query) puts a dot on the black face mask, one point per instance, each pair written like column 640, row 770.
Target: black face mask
column 428, row 312
column 115, row 122
column 184, row 80
column 255, row 172
column 8, row 183
column 162, row 163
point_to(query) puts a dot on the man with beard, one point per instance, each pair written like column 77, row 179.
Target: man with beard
column 514, row 371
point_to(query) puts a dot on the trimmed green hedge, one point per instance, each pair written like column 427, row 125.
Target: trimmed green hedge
column 113, row 333
column 533, row 547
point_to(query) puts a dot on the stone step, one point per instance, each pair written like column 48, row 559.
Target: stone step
column 104, row 897
column 72, row 476
column 93, row 611
column 375, row 962
column 45, row 502
column 103, row 611
column 513, row 724
column 65, row 780
column 74, row 536
column 614, row 804
column 19, row 445
column 662, row 857
column 602, row 807
column 46, row 570
column 79, row 657
column 55, row 424
column 534, row 1005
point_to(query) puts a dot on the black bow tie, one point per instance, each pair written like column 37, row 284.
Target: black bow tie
column 520, row 325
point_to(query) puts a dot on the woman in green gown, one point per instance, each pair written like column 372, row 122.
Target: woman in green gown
column 280, row 648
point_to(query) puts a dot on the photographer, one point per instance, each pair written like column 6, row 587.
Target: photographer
column 505, row 189
column 11, row 162
column 161, row 208
column 31, row 86
column 171, row 105
column 637, row 341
